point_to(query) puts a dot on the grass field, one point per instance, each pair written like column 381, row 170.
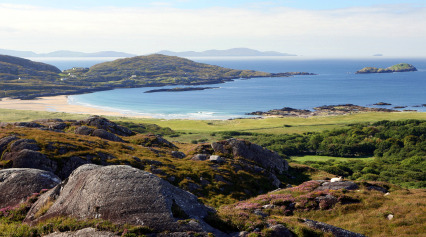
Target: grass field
column 326, row 158
column 191, row 130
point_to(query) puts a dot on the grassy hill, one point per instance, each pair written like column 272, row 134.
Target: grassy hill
column 39, row 79
column 241, row 196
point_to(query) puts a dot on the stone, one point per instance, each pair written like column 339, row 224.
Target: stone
column 239, row 148
column 275, row 181
column 326, row 202
column 84, row 130
column 377, row 188
column 268, row 206
column 279, row 231
column 260, row 213
column 336, row 231
column 216, row 159
column 200, row 157
column 123, row 194
column 348, row 185
column 22, row 144
column 4, row 142
column 17, row 184
column 27, row 124
column 178, row 154
column 105, row 124
column 106, row 135
column 30, row 159
column 86, row 232
column 70, row 164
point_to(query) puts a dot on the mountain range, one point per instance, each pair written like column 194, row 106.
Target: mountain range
column 234, row 52
column 64, row 53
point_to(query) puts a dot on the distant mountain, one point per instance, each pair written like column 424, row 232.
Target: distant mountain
column 12, row 69
column 64, row 53
column 241, row 52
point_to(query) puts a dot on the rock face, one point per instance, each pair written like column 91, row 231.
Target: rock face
column 30, row 159
column 336, row 231
column 123, row 194
column 239, row 148
column 18, row 184
column 105, row 124
column 348, row 185
column 86, row 232
column 280, row 231
column 106, row 135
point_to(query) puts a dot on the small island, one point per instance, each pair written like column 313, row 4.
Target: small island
column 382, row 103
column 176, row 89
column 402, row 67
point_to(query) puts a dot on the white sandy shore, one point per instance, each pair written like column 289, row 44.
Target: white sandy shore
column 55, row 104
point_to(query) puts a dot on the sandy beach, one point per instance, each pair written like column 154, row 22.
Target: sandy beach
column 55, row 104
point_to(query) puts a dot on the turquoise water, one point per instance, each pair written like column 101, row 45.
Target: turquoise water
column 335, row 83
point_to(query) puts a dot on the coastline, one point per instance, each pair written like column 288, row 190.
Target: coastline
column 57, row 104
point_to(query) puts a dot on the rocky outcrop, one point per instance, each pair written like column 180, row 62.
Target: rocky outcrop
column 336, row 231
column 18, row 184
column 22, row 144
column 86, row 232
column 101, row 133
column 239, row 148
column 151, row 140
column 178, row 154
column 348, row 185
column 105, row 124
column 30, row 159
column 123, row 194
column 279, row 231
column 84, row 130
column 4, row 142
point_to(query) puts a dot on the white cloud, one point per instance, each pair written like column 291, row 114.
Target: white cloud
column 385, row 29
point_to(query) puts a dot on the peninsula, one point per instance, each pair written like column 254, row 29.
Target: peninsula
column 24, row 79
column 402, row 67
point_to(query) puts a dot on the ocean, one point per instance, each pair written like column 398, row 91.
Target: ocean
column 335, row 83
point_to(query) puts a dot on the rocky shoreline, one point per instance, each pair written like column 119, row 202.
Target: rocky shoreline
column 325, row 110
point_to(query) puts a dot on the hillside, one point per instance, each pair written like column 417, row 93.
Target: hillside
column 13, row 68
column 402, row 67
column 233, row 175
column 141, row 71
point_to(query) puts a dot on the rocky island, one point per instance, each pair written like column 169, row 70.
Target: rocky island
column 402, row 67
column 24, row 79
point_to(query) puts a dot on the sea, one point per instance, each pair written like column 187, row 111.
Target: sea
column 335, row 83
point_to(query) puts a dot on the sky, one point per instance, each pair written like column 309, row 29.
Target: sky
column 309, row 28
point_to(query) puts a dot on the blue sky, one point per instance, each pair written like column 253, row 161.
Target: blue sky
column 314, row 28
